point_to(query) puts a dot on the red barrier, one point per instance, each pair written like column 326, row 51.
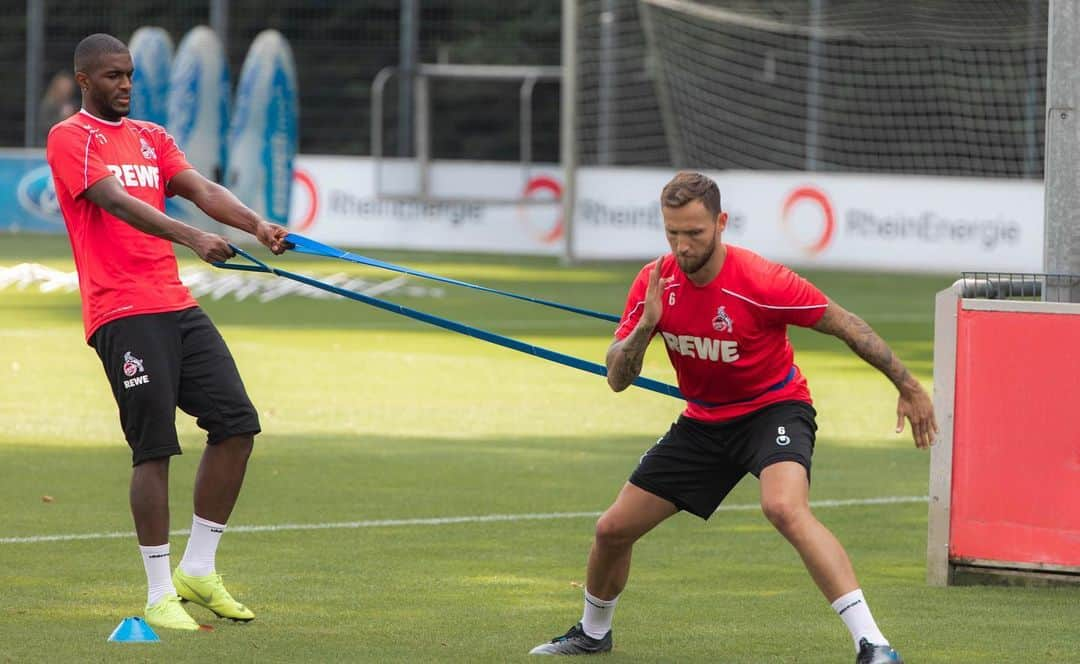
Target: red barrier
column 1015, row 493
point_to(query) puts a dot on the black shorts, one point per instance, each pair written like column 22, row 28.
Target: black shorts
column 158, row 362
column 696, row 464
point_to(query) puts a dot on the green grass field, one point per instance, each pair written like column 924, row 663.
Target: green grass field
column 374, row 423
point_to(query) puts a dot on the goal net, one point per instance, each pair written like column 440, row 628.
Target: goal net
column 919, row 87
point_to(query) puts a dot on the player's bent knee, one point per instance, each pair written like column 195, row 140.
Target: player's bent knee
column 152, row 463
column 243, row 443
column 784, row 513
column 612, row 531
column 240, row 443
column 235, row 450
column 240, row 447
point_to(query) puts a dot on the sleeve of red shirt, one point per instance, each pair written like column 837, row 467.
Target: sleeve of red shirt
column 796, row 301
column 74, row 159
column 171, row 159
column 635, row 304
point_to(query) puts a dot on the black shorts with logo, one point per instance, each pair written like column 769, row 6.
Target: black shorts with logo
column 158, row 362
column 696, row 464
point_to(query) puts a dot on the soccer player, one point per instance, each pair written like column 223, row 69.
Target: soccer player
column 159, row 350
column 723, row 313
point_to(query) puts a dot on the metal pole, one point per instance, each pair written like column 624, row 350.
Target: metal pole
column 409, row 46
column 525, row 95
column 219, row 23
column 489, row 72
column 423, row 138
column 815, row 56
column 606, row 86
column 35, row 55
column 568, row 124
column 377, row 87
column 1061, row 248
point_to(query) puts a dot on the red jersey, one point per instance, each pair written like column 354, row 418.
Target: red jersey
column 728, row 339
column 122, row 270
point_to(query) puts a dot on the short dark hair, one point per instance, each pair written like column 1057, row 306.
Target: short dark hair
column 689, row 186
column 91, row 48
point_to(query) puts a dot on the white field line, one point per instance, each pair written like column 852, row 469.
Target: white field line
column 441, row 521
column 216, row 284
column 886, row 317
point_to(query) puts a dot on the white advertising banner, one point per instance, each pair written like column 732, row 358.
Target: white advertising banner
column 335, row 201
column 903, row 223
column 900, row 223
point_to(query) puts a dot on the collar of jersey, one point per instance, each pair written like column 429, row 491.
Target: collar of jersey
column 95, row 118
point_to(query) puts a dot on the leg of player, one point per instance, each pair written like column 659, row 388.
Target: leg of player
column 150, row 501
column 217, row 486
column 149, row 497
column 220, row 477
column 785, row 491
column 634, row 513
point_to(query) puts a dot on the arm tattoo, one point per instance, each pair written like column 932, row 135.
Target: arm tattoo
column 625, row 357
column 866, row 343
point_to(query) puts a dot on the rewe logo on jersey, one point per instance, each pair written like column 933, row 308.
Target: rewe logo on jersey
column 137, row 175
column 703, row 348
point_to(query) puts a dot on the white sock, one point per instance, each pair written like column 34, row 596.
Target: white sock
column 596, row 620
column 155, row 560
column 202, row 546
column 855, row 613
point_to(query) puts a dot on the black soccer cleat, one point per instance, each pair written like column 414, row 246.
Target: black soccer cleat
column 575, row 642
column 870, row 653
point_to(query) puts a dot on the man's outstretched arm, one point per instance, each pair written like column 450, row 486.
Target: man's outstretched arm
column 221, row 204
column 914, row 403
column 110, row 195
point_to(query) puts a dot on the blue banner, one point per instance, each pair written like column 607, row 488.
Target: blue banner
column 27, row 197
column 263, row 136
column 151, row 52
column 255, row 151
column 198, row 101
column 198, row 104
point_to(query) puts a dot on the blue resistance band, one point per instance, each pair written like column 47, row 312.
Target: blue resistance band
column 446, row 324
column 315, row 248
column 305, row 245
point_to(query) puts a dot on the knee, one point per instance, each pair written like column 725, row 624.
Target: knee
column 157, row 468
column 611, row 532
column 240, row 446
column 783, row 513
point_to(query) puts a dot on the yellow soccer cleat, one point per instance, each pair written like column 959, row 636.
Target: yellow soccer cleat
column 209, row 592
column 167, row 613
